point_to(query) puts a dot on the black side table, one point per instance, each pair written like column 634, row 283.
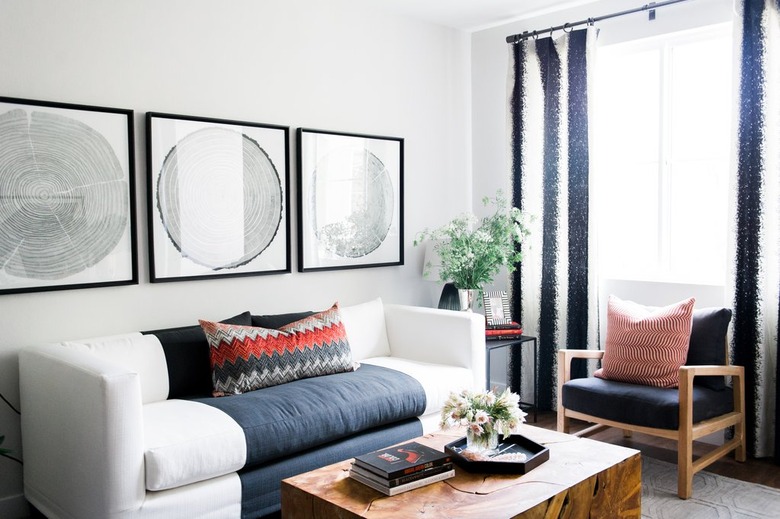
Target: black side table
column 511, row 343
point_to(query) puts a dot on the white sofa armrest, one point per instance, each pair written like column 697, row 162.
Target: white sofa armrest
column 438, row 337
column 82, row 430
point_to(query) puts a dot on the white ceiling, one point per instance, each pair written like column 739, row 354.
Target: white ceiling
column 471, row 15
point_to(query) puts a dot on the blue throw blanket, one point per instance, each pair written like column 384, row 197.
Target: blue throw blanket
column 283, row 420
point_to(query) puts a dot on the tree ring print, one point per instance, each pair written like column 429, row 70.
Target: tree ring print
column 352, row 202
column 63, row 196
column 220, row 198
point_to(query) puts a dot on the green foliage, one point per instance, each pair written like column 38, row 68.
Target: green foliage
column 472, row 251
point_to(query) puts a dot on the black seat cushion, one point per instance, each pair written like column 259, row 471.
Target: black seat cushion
column 641, row 405
column 708, row 343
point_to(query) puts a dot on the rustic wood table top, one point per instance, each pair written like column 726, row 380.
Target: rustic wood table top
column 584, row 475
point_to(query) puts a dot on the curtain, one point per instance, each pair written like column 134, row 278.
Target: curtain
column 756, row 209
column 554, row 291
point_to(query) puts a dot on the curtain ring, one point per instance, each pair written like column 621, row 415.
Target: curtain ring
column 551, row 31
column 567, row 25
column 535, row 35
column 591, row 22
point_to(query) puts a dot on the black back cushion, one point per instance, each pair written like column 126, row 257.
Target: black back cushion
column 188, row 358
column 708, row 343
column 277, row 321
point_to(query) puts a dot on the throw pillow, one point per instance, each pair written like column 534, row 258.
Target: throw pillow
column 708, row 343
column 646, row 346
column 246, row 358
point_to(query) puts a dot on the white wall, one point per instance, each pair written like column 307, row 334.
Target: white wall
column 301, row 63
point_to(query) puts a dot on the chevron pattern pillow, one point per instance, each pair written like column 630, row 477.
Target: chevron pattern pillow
column 245, row 358
column 646, row 345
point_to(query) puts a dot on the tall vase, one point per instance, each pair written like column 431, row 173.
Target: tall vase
column 467, row 297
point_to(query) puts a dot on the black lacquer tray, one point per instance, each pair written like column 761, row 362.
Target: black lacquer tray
column 535, row 455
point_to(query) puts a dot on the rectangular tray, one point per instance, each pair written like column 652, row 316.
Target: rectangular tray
column 536, row 455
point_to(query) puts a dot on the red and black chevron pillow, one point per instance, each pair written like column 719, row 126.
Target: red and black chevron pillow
column 245, row 358
column 646, row 345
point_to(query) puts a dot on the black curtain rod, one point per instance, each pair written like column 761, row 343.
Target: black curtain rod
column 515, row 38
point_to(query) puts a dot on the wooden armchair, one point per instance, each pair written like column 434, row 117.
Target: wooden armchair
column 687, row 413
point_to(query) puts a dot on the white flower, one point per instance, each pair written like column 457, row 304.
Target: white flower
column 481, row 417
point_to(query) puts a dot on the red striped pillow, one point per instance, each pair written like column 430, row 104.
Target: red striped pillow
column 646, row 345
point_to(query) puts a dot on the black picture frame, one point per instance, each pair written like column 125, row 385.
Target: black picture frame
column 350, row 200
column 67, row 196
column 218, row 198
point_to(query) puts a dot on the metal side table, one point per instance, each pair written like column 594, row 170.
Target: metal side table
column 491, row 345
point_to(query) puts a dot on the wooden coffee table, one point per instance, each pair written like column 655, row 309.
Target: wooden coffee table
column 582, row 478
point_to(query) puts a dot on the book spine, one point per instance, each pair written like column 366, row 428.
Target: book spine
column 516, row 332
column 403, row 479
column 402, row 488
column 501, row 337
column 405, row 471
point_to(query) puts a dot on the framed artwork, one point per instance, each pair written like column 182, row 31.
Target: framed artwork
column 350, row 200
column 496, row 308
column 218, row 198
column 67, row 196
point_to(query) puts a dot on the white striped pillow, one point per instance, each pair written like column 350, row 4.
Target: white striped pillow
column 646, row 345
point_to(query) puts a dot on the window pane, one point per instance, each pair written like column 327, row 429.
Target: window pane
column 698, row 222
column 628, row 212
column 701, row 99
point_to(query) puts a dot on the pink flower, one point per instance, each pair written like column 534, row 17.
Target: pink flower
column 481, row 417
column 476, row 428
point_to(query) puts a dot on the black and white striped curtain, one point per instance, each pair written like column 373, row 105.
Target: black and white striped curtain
column 554, row 291
column 756, row 207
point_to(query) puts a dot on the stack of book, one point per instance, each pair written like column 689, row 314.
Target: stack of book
column 499, row 332
column 402, row 468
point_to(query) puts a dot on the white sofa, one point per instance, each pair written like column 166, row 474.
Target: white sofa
column 102, row 439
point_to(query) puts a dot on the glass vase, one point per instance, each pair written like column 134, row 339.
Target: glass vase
column 482, row 443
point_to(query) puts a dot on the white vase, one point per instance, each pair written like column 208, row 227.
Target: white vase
column 467, row 297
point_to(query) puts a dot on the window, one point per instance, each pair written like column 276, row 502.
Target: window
column 662, row 141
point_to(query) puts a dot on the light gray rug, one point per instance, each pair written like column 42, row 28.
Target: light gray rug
column 714, row 496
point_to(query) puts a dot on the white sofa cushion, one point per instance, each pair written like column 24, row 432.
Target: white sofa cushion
column 436, row 379
column 366, row 330
column 142, row 354
column 186, row 442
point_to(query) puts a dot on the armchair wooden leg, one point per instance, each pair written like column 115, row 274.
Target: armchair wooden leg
column 685, row 468
column 627, row 433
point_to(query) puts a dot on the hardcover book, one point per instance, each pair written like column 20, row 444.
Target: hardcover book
column 391, row 491
column 402, row 460
column 390, row 483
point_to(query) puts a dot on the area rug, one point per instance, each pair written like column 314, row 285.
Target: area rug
column 714, row 496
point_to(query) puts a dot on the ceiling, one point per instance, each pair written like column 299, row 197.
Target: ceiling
column 471, row 15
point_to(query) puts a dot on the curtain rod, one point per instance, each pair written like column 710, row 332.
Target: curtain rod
column 515, row 38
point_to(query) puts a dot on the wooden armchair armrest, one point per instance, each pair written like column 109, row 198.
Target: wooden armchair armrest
column 564, row 361
column 725, row 371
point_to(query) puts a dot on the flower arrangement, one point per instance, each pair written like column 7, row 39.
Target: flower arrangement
column 485, row 414
column 472, row 250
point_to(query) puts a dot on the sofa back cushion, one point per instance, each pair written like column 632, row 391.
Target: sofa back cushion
column 646, row 346
column 142, row 354
column 187, row 357
column 366, row 330
column 246, row 358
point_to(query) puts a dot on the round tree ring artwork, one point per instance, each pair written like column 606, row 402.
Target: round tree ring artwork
column 365, row 222
column 218, row 203
column 350, row 200
column 65, row 196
